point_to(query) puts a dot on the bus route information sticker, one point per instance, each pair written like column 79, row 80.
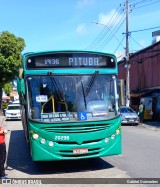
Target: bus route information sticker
column 42, row 98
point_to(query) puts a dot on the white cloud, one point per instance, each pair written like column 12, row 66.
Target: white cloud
column 109, row 18
column 82, row 3
column 81, row 29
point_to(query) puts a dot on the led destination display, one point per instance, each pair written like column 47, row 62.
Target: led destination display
column 68, row 60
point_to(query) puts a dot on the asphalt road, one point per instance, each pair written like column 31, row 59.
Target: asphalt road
column 140, row 158
column 141, row 152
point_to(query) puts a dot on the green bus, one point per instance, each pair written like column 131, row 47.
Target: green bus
column 70, row 104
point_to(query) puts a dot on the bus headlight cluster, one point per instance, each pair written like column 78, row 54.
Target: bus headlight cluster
column 45, row 142
column 113, row 136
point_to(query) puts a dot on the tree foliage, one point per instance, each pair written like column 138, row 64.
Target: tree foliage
column 8, row 88
column 10, row 57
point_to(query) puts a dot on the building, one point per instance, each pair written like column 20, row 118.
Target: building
column 144, row 79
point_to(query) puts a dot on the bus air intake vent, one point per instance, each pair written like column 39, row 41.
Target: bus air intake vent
column 77, row 128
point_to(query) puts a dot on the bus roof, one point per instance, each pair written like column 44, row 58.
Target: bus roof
column 67, row 51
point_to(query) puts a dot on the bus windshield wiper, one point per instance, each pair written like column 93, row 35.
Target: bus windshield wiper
column 84, row 97
column 91, row 83
column 58, row 90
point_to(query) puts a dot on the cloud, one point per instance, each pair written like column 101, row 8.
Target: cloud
column 81, row 29
column 109, row 18
column 82, row 3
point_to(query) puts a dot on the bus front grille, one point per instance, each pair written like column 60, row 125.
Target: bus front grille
column 77, row 128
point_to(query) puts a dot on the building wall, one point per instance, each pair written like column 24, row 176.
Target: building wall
column 146, row 74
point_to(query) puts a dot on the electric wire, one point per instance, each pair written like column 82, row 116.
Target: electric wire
column 144, row 2
column 108, row 39
column 105, row 31
column 104, row 40
column 102, row 33
column 136, row 42
column 145, row 29
column 141, row 2
column 116, row 22
column 119, row 45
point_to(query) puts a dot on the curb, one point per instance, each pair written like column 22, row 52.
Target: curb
column 149, row 126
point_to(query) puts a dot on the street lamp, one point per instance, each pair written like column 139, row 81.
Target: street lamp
column 99, row 23
column 126, row 54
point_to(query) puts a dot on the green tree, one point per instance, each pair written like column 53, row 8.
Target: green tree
column 8, row 88
column 10, row 58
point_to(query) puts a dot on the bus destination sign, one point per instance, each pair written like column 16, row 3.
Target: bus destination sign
column 78, row 60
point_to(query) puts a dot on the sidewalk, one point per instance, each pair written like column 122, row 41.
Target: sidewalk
column 154, row 125
column 1, row 117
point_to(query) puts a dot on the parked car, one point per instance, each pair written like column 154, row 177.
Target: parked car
column 13, row 111
column 16, row 101
column 128, row 116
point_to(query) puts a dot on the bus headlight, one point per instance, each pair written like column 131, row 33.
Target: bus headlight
column 113, row 136
column 43, row 141
column 106, row 140
column 51, row 144
column 35, row 136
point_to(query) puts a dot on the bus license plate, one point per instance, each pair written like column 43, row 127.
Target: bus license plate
column 80, row 151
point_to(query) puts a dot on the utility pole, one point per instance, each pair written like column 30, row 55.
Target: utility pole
column 127, row 60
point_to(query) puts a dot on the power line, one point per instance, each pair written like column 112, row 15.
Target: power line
column 111, row 33
column 144, row 29
column 119, row 44
column 113, row 21
column 102, row 33
column 136, row 41
column 108, row 39
column 144, row 2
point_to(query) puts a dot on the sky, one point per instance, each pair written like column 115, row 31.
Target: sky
column 70, row 24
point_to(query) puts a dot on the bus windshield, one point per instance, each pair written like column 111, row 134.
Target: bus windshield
column 55, row 98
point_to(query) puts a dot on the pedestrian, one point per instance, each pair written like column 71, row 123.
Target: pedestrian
column 141, row 111
column 2, row 151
